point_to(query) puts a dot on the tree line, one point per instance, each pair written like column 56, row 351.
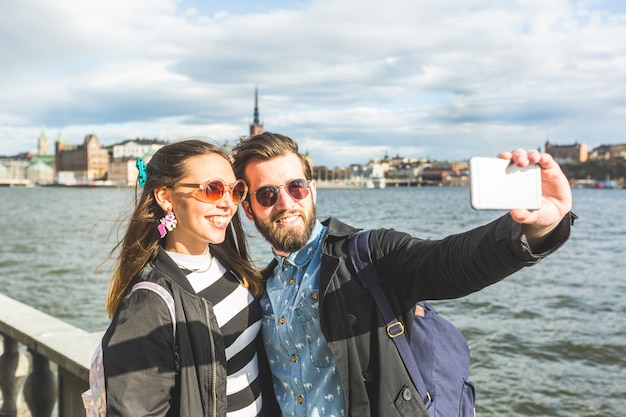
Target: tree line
column 597, row 169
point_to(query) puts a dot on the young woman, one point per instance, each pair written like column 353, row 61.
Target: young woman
column 185, row 236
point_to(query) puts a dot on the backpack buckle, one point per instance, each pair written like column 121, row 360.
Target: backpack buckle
column 395, row 329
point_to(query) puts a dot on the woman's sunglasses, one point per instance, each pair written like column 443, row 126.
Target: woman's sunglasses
column 214, row 189
column 267, row 195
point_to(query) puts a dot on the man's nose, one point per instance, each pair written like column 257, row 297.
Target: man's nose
column 285, row 200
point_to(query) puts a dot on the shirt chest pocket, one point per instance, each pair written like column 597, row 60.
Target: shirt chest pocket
column 309, row 318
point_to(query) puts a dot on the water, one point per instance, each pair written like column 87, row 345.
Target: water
column 549, row 341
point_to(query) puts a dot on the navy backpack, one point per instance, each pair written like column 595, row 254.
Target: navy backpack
column 437, row 358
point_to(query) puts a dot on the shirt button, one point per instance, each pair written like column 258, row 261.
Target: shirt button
column 291, row 281
column 293, row 358
column 282, row 320
column 300, row 399
column 314, row 296
column 406, row 394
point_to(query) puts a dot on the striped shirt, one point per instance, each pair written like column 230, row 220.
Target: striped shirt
column 239, row 318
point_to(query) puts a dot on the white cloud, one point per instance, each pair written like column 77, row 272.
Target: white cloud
column 445, row 79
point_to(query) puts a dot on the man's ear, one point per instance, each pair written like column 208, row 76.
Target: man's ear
column 313, row 189
column 245, row 204
column 163, row 198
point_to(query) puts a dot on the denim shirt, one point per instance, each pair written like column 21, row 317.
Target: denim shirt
column 306, row 381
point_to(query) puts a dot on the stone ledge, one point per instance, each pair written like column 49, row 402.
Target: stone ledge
column 67, row 346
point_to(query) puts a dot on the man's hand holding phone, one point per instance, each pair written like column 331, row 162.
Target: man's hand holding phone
column 556, row 195
column 498, row 184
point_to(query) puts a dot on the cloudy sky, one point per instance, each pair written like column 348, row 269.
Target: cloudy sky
column 349, row 80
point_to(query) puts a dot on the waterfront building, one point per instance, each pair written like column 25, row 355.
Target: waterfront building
column 29, row 169
column 378, row 179
column 123, row 171
column 445, row 173
column 564, row 154
column 123, row 164
column 81, row 163
column 609, row 152
column 14, row 167
column 227, row 148
column 43, row 144
column 42, row 166
column 39, row 172
column 132, row 148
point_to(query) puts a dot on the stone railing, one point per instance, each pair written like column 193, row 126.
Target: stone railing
column 47, row 340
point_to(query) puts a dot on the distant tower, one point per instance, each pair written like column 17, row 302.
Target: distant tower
column 228, row 150
column 43, row 145
column 256, row 127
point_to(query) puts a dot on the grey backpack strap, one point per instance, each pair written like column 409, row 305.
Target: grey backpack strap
column 164, row 294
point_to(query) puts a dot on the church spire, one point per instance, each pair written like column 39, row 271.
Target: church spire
column 256, row 127
column 256, row 106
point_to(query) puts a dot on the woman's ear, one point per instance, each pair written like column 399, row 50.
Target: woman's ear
column 163, row 198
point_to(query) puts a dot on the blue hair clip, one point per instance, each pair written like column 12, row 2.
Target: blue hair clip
column 141, row 166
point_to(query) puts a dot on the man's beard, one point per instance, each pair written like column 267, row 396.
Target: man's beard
column 290, row 239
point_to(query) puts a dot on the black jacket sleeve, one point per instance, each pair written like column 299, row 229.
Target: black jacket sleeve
column 460, row 264
column 138, row 357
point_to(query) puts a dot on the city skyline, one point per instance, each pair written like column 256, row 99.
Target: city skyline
column 576, row 152
column 445, row 80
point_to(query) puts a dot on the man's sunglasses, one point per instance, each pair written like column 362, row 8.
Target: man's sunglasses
column 214, row 189
column 267, row 195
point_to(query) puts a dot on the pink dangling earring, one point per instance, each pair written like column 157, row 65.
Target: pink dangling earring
column 167, row 223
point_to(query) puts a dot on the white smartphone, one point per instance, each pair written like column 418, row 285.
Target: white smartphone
column 497, row 184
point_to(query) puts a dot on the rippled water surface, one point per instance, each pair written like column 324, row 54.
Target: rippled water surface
column 548, row 341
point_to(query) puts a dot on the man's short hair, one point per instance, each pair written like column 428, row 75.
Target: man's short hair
column 264, row 147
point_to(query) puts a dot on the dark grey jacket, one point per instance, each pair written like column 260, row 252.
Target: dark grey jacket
column 373, row 376
column 139, row 358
